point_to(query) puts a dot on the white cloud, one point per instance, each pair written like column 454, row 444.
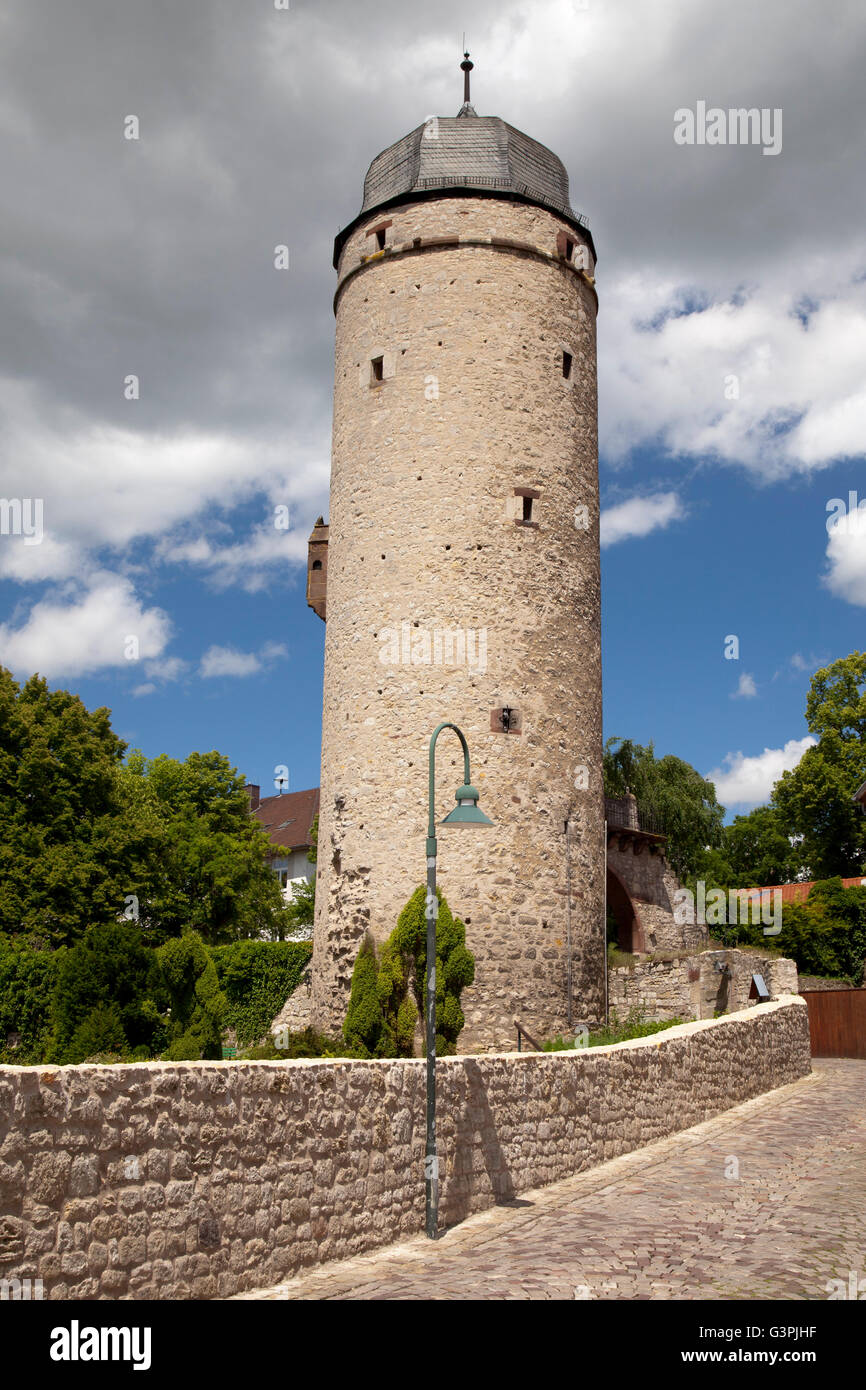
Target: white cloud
column 228, row 661
column 79, row 630
column 249, row 564
column 638, row 516
column 746, row 688
column 748, row 781
column 846, row 556
column 737, row 376
column 104, row 488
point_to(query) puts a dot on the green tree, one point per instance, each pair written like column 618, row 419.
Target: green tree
column 104, row 995
column 207, row 869
column 675, row 792
column 758, row 851
column 67, row 842
column 813, row 800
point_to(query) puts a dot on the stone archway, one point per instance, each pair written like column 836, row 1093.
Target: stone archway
column 629, row 927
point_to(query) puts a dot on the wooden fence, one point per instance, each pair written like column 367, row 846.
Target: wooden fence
column 837, row 1022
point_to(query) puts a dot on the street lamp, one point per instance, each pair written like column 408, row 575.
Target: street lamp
column 466, row 812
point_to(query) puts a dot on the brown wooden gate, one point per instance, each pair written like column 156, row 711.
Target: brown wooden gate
column 837, row 1022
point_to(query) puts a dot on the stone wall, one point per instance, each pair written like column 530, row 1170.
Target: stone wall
column 199, row 1180
column 651, row 884
column 690, row 986
column 822, row 982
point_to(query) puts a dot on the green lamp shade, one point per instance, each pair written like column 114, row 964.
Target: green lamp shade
column 466, row 811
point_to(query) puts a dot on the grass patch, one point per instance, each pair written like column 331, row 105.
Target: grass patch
column 634, row 1025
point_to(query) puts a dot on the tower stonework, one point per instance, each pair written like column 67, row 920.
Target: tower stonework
column 463, row 576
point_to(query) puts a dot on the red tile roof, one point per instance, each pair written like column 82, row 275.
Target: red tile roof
column 799, row 892
column 288, row 818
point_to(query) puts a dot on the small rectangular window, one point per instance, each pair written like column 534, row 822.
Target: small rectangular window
column 569, row 249
column 566, row 364
column 380, row 238
column 527, row 509
column 377, row 366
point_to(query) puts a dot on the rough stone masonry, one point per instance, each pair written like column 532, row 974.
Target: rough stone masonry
column 203, row 1179
column 464, row 501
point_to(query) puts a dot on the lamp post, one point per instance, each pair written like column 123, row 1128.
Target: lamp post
column 466, row 812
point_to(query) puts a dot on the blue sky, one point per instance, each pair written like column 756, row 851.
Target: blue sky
column 154, row 258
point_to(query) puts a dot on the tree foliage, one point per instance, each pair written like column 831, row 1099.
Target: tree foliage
column 674, row 791
column 104, row 996
column 813, row 800
column 67, row 845
column 208, row 871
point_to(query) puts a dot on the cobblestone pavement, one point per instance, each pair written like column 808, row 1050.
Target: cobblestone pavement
column 767, row 1201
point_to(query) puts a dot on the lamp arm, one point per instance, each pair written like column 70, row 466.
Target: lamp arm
column 431, row 796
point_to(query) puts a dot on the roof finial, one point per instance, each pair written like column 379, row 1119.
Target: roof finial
column 467, row 65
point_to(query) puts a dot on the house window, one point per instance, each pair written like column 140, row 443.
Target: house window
column 380, row 238
column 527, row 508
column 377, row 367
column 567, row 360
column 284, row 877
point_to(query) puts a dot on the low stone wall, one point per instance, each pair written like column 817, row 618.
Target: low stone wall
column 822, row 982
column 199, row 1180
column 692, row 986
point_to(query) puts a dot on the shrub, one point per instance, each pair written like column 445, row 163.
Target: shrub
column 198, row 1005
column 27, row 982
column 257, row 977
column 613, row 1032
column 307, row 1043
column 384, row 1024
column 104, row 988
column 364, row 1024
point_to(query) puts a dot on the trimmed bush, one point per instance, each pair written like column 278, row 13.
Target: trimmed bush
column 386, row 1002
column 198, row 1005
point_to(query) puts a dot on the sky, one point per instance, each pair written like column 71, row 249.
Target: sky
column 165, row 389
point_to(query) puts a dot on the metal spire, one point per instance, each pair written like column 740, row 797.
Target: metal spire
column 466, row 109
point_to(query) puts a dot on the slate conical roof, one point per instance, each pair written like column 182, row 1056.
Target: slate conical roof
column 465, row 153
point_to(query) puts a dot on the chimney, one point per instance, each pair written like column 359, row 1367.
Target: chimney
column 252, row 792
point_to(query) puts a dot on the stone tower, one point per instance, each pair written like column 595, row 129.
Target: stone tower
column 461, row 567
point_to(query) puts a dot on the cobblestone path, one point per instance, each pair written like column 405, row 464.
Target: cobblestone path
column 767, row 1201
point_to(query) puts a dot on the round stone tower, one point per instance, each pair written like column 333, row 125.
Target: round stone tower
column 459, row 574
